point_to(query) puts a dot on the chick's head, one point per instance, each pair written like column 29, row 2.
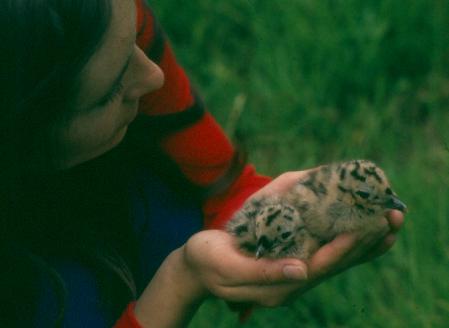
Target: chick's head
column 368, row 186
column 275, row 229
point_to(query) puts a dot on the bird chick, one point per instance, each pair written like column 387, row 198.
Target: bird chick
column 336, row 198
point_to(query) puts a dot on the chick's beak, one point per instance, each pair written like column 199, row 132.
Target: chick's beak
column 263, row 245
column 394, row 203
column 260, row 251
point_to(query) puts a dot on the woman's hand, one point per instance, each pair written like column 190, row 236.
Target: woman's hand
column 346, row 250
column 225, row 272
column 209, row 263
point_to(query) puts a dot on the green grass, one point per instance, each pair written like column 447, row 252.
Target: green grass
column 307, row 82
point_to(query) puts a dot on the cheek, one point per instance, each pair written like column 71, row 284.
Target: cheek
column 85, row 133
column 89, row 136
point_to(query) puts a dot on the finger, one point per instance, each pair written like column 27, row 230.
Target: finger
column 330, row 255
column 263, row 295
column 268, row 272
column 381, row 248
column 395, row 219
column 368, row 247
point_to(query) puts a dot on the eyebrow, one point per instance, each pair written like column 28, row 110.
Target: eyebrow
column 114, row 84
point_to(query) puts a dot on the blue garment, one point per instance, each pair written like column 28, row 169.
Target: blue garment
column 162, row 222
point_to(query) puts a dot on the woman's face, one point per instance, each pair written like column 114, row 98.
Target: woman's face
column 112, row 82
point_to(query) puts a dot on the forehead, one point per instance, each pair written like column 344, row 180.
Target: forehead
column 105, row 64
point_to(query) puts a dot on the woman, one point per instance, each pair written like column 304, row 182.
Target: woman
column 110, row 167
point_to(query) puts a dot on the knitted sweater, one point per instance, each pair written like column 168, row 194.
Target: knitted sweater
column 201, row 150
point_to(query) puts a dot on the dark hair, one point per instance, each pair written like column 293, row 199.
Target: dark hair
column 81, row 213
column 44, row 214
column 45, row 44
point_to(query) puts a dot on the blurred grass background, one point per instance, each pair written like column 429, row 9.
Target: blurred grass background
column 305, row 82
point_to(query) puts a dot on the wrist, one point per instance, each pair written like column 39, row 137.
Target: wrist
column 188, row 280
column 173, row 295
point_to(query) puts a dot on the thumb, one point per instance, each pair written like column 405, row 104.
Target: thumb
column 267, row 272
column 295, row 271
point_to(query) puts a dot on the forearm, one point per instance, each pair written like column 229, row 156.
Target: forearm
column 172, row 297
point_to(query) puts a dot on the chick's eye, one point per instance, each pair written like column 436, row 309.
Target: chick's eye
column 363, row 194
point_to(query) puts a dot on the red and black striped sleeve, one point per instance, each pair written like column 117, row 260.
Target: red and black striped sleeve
column 192, row 137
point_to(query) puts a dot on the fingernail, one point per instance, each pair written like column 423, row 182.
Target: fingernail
column 294, row 272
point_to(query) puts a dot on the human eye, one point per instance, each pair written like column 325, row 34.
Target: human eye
column 113, row 95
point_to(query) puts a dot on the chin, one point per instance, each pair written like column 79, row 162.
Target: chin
column 113, row 142
column 82, row 158
column 118, row 137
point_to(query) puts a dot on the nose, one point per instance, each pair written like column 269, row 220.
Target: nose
column 145, row 76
